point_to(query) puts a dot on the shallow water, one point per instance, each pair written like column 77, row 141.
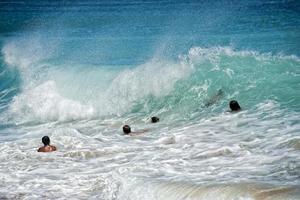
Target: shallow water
column 78, row 71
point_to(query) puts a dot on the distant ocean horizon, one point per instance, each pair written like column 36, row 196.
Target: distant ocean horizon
column 78, row 71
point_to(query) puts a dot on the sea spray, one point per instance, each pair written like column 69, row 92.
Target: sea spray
column 159, row 86
column 78, row 71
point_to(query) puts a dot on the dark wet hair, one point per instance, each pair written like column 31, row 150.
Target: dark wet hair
column 234, row 105
column 126, row 129
column 154, row 119
column 46, row 140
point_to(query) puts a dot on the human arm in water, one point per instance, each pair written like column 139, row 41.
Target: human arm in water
column 215, row 98
column 127, row 131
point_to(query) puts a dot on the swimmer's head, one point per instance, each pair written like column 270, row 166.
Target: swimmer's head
column 234, row 105
column 46, row 140
column 126, row 129
column 154, row 119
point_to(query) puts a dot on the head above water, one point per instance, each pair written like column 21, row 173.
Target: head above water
column 126, row 129
column 234, row 105
column 46, row 140
column 154, row 119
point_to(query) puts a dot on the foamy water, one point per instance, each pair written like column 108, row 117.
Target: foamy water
column 79, row 71
column 221, row 157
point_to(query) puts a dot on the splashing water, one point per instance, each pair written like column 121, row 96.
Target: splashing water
column 78, row 71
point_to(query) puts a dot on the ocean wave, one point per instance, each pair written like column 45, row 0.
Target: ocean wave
column 185, row 86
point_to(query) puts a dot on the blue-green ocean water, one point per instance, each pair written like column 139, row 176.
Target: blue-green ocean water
column 79, row 70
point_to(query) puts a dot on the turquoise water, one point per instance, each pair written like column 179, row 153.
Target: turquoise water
column 77, row 71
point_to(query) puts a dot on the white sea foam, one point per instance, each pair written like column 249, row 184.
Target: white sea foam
column 213, row 54
column 47, row 95
column 45, row 103
column 200, row 160
column 155, row 78
column 56, row 55
column 78, row 94
column 166, row 140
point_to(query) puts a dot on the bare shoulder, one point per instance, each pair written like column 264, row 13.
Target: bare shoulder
column 53, row 148
column 47, row 149
column 41, row 149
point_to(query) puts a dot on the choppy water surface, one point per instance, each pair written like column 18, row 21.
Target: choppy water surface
column 78, row 71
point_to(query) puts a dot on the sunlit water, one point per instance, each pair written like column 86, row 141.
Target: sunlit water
column 78, row 71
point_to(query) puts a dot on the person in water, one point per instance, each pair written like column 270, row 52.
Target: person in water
column 215, row 98
column 47, row 147
column 234, row 105
column 127, row 131
column 154, row 119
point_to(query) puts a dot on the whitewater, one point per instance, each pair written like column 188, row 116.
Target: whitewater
column 78, row 71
